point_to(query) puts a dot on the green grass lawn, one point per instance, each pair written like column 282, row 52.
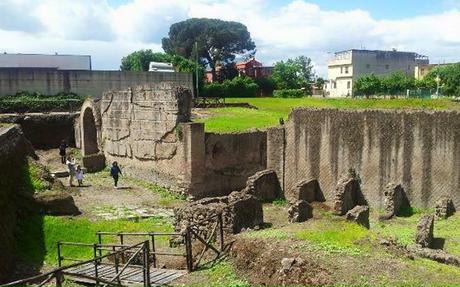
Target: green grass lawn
column 38, row 236
column 270, row 110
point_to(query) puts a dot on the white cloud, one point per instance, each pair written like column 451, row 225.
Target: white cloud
column 298, row 28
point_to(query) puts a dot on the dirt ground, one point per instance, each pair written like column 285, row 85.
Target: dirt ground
column 97, row 197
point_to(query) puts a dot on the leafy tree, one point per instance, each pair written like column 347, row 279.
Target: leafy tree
column 449, row 79
column 293, row 74
column 140, row 60
column 320, row 83
column 266, row 85
column 367, row 85
column 227, row 72
column 397, row 83
column 218, row 41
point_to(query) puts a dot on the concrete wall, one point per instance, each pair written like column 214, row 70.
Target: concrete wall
column 420, row 149
column 231, row 159
column 14, row 149
column 45, row 131
column 85, row 83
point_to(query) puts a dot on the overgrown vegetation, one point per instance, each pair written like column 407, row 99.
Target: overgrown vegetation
column 167, row 197
column 24, row 102
column 270, row 110
column 289, row 93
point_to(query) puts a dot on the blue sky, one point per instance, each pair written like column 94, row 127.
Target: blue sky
column 111, row 29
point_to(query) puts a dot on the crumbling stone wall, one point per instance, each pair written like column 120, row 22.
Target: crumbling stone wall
column 419, row 149
column 141, row 130
column 14, row 148
column 231, row 159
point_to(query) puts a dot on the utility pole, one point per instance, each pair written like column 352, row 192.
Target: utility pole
column 196, row 69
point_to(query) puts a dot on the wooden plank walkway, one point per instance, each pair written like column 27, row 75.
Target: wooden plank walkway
column 133, row 275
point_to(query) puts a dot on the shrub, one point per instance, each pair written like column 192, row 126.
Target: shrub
column 266, row 85
column 294, row 93
column 35, row 102
column 240, row 87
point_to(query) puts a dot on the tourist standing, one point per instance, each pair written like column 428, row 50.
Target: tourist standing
column 71, row 169
column 115, row 171
column 79, row 175
column 62, row 151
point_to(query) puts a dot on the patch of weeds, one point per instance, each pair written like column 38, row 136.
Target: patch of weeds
column 35, row 173
column 223, row 275
column 336, row 236
column 167, row 197
column 267, row 233
column 280, row 202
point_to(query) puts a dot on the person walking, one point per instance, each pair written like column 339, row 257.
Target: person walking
column 115, row 171
column 79, row 175
column 71, row 169
column 62, row 151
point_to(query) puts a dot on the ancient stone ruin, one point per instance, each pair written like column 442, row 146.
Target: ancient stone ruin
column 359, row 214
column 300, row 211
column 424, row 236
column 239, row 211
column 348, row 195
column 444, row 208
column 308, row 190
column 264, row 185
column 396, row 201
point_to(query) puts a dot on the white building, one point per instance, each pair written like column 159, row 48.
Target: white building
column 39, row 61
column 348, row 66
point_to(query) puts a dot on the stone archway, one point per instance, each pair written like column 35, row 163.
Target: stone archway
column 90, row 130
column 89, row 133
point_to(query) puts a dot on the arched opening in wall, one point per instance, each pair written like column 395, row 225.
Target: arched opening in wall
column 89, row 133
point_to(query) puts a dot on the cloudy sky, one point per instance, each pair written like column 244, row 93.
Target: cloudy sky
column 109, row 29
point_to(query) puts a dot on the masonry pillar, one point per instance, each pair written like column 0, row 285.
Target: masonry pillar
column 276, row 152
column 194, row 157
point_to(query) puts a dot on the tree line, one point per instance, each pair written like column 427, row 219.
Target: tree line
column 399, row 83
column 216, row 43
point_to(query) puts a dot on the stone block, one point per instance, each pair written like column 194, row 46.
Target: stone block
column 264, row 185
column 308, row 190
column 444, row 208
column 348, row 195
column 424, row 236
column 56, row 203
column 396, row 201
column 359, row 214
column 300, row 211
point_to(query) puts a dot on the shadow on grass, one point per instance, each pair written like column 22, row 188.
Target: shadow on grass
column 438, row 243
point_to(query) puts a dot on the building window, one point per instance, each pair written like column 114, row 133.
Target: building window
column 368, row 66
column 341, row 70
column 348, row 84
column 346, row 70
column 387, row 67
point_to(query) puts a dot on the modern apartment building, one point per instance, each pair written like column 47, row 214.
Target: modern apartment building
column 348, row 66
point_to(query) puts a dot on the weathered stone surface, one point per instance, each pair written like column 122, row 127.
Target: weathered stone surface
column 239, row 210
column 264, row 185
column 300, row 211
column 424, row 236
column 359, row 214
column 444, row 208
column 435, row 254
column 94, row 162
column 396, row 201
column 56, row 203
column 308, row 190
column 348, row 195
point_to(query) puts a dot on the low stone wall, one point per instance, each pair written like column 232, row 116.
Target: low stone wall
column 45, row 130
column 231, row 159
column 14, row 149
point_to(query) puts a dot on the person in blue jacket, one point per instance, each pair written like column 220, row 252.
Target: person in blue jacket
column 115, row 172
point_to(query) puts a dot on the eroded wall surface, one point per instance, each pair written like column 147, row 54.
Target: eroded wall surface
column 419, row 149
column 231, row 159
column 140, row 130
